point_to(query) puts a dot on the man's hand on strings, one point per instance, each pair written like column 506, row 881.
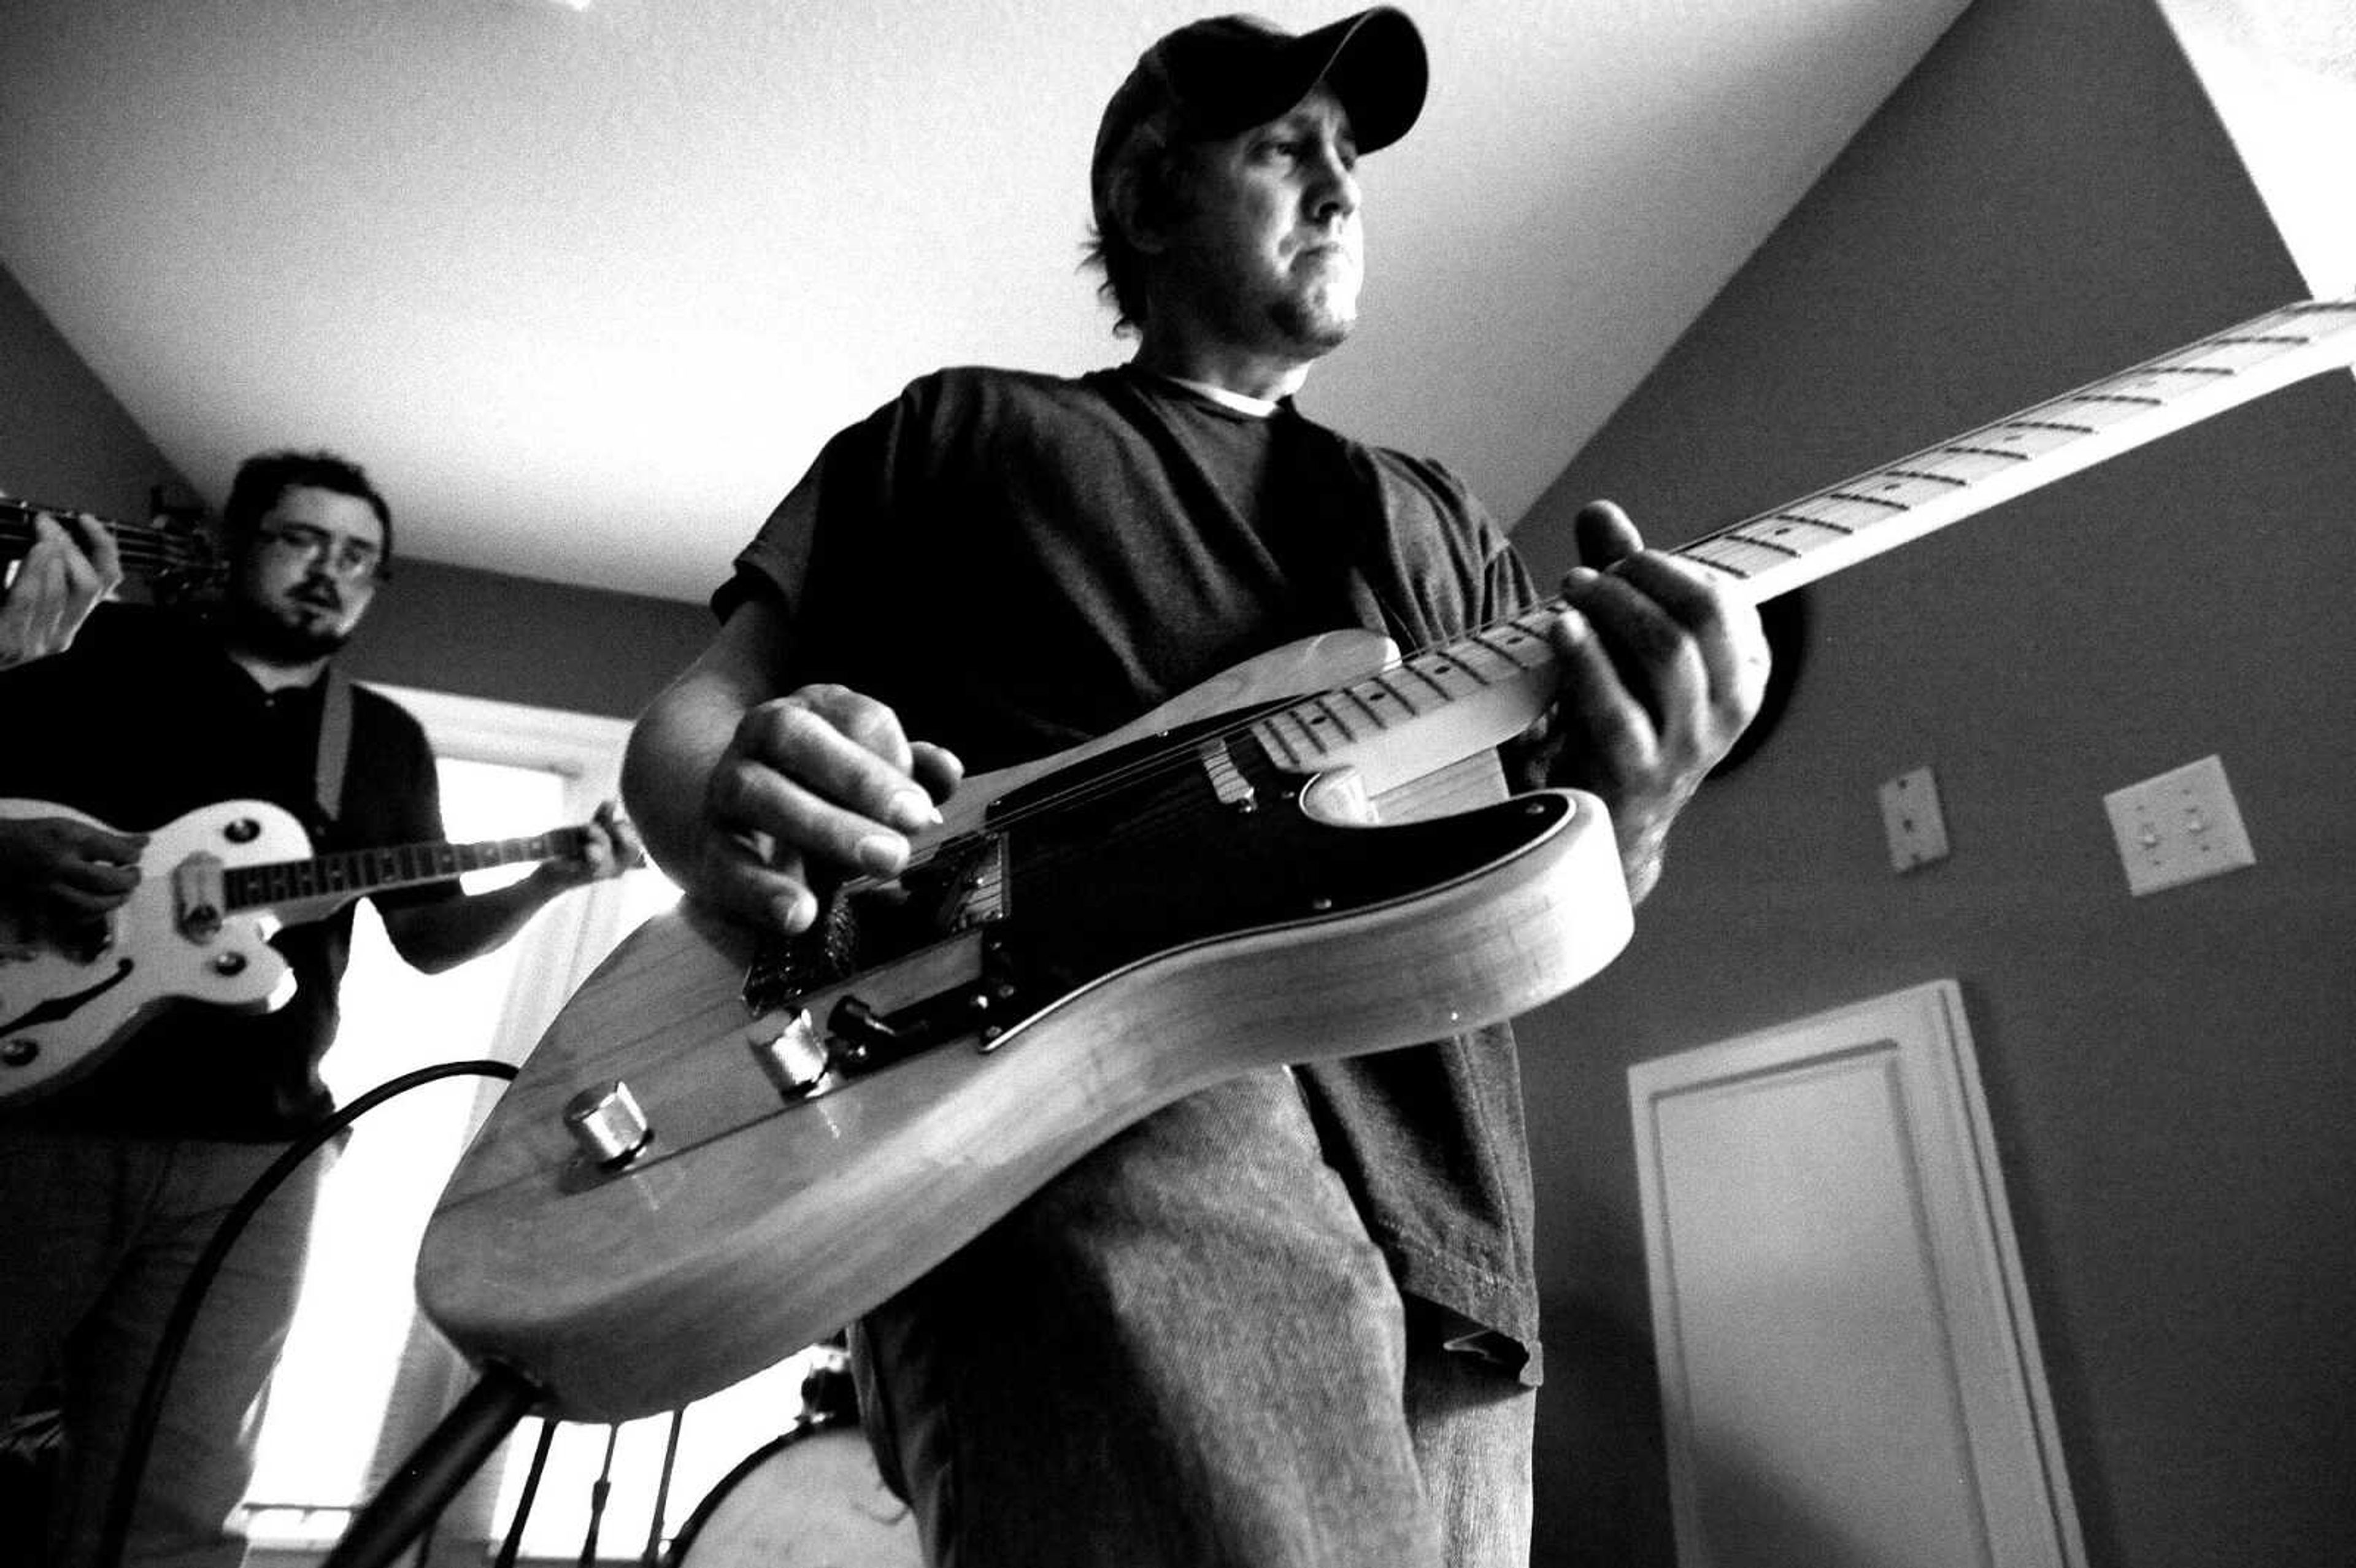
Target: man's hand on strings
column 610, row 847
column 1661, row 671
column 66, row 866
column 816, row 783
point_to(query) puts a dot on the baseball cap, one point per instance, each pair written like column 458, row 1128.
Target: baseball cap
column 1227, row 74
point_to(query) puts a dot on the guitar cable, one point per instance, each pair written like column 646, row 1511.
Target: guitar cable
column 502, row 1396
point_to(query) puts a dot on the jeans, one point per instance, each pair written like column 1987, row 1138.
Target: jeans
column 1187, row 1350
column 97, row 1237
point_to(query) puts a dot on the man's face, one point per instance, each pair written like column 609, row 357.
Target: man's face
column 308, row 575
column 1267, row 252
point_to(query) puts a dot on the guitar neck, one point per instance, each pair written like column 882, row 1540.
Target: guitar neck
column 1879, row 510
column 1475, row 691
column 147, row 549
column 353, row 873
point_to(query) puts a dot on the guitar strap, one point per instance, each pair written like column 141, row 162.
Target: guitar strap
column 334, row 743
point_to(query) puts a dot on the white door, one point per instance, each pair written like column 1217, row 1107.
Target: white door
column 1848, row 1371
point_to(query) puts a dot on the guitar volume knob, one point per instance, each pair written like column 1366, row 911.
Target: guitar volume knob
column 791, row 1053
column 606, row 1122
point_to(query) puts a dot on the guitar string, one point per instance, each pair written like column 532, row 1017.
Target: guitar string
column 146, row 545
column 1187, row 755
column 133, row 554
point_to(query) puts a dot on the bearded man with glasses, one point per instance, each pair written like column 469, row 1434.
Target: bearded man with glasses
column 117, row 1177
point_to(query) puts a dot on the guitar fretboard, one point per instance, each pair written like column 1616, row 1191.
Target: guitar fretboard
column 1492, row 681
column 350, row 873
column 1846, row 523
column 147, row 549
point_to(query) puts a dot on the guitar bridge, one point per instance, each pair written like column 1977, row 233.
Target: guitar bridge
column 200, row 896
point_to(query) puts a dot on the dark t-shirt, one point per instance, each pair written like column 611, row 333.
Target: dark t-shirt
column 144, row 718
column 1019, row 563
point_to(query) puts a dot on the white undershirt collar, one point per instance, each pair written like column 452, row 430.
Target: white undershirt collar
column 1257, row 408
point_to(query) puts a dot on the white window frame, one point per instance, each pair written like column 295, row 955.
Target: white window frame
column 552, row 955
column 556, row 952
column 565, row 940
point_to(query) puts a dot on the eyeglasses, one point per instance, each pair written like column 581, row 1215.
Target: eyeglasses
column 353, row 561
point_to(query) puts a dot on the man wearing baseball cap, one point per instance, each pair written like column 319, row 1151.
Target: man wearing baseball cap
column 1292, row 1318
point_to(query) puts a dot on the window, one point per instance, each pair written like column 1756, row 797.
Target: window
column 364, row 1378
column 355, row 1318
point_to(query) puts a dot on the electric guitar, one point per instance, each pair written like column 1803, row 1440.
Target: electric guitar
column 722, row 1150
column 175, row 556
column 214, row 884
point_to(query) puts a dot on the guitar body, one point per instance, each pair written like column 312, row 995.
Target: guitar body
column 68, row 997
column 1089, row 938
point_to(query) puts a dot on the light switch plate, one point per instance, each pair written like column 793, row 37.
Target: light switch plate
column 2179, row 827
column 1911, row 820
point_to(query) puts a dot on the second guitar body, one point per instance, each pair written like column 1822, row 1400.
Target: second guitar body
column 67, row 994
column 214, row 884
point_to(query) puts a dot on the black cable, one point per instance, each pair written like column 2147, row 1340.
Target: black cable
column 141, row 1437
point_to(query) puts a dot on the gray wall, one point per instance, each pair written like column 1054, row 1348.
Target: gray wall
column 517, row 639
column 64, row 441
column 2047, row 199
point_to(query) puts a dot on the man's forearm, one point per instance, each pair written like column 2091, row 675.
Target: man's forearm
column 672, row 751
column 438, row 937
column 683, row 733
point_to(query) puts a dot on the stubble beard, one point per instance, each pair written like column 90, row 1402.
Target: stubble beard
column 1313, row 320
column 276, row 641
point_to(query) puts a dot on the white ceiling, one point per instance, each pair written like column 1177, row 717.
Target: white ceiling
column 587, row 288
